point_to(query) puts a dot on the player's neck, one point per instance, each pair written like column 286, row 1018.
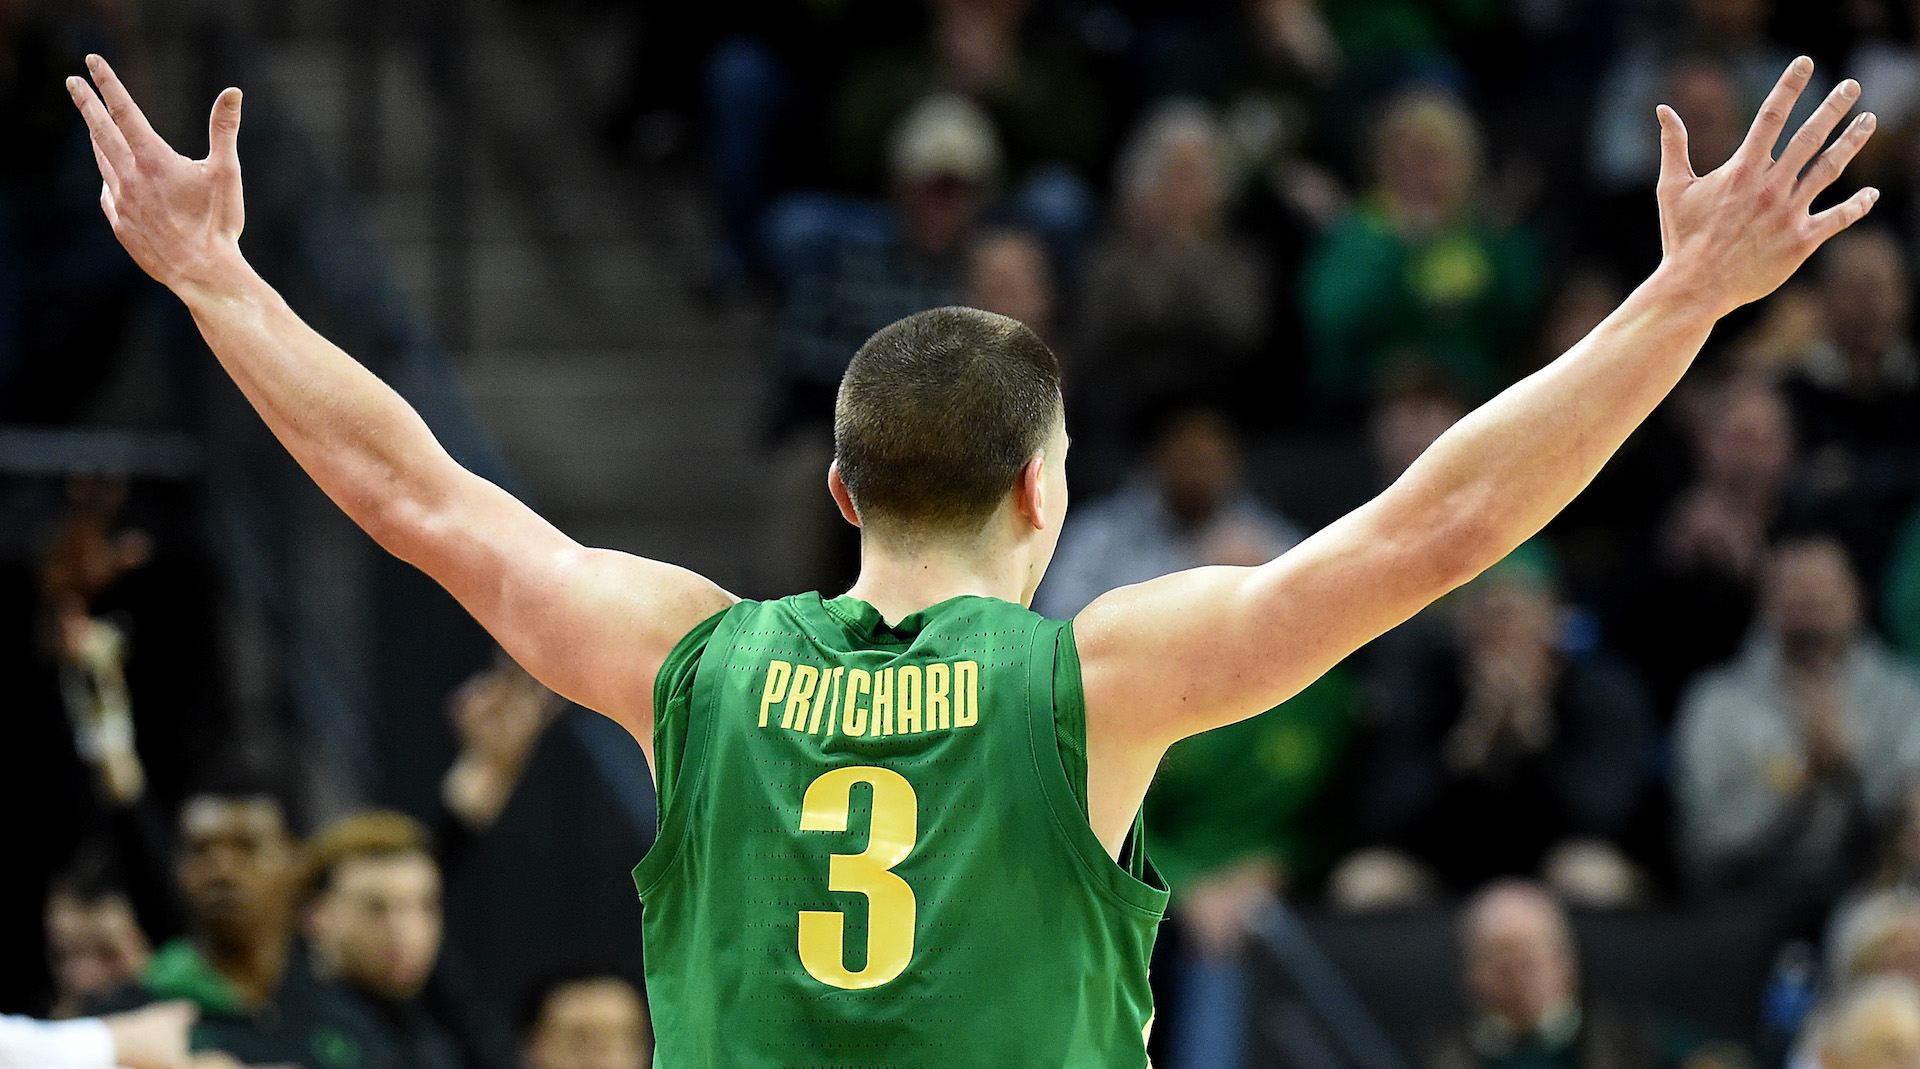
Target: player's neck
column 899, row 583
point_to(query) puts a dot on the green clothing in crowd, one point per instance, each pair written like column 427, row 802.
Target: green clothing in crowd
column 1368, row 28
column 1243, row 790
column 1372, row 301
column 1901, row 599
column 308, row 1023
column 1599, row 1035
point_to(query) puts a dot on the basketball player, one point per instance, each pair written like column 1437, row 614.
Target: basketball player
column 901, row 826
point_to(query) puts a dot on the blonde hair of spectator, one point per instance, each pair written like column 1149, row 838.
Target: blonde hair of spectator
column 1863, row 928
column 1871, row 1024
column 1504, row 895
column 1176, row 134
column 945, row 134
column 1437, row 118
column 377, row 833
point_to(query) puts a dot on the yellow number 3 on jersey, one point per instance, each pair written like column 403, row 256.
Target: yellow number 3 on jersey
column 890, row 903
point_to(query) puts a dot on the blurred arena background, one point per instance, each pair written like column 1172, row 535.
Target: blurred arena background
column 1643, row 796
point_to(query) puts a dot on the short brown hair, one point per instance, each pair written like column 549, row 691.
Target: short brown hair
column 378, row 833
column 937, row 414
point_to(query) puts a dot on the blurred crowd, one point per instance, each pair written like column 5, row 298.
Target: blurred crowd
column 194, row 875
column 294, row 945
column 1280, row 247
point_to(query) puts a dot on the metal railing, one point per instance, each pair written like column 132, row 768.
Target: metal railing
column 1315, row 1019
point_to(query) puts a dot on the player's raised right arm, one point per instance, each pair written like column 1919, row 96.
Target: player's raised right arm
column 593, row 625
column 1198, row 649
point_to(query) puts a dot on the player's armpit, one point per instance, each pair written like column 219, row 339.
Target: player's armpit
column 594, row 625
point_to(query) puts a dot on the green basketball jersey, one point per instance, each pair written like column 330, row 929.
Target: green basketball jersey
column 874, row 849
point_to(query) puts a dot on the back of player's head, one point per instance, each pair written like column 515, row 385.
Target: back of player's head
column 937, row 415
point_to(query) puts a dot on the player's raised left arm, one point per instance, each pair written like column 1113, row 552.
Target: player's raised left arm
column 1194, row 650
column 593, row 625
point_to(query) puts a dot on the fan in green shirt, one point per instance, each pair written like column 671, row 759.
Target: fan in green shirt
column 258, row 1000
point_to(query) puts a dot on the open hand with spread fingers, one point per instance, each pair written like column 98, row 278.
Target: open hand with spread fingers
column 178, row 218
column 1736, row 233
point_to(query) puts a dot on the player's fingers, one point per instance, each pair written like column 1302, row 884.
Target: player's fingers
column 109, row 207
column 223, row 129
column 106, row 136
column 107, row 176
column 1674, row 164
column 1813, row 133
column 126, row 114
column 1758, row 147
column 1844, row 214
column 1833, row 161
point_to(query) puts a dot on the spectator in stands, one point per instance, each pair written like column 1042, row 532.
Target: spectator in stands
column 1524, row 1003
column 1874, row 1024
column 373, row 922
column 1856, row 393
column 94, row 942
column 1521, row 978
column 125, row 610
column 498, row 715
column 1900, row 857
column 1625, row 149
column 1232, row 824
column 1170, row 302
column 1856, row 386
column 1884, row 59
column 1502, row 750
column 944, row 160
column 1621, row 219
column 1884, row 55
column 1875, row 934
column 944, row 157
column 1790, row 756
column 237, row 868
column 1523, row 991
column 1049, row 114
column 1415, row 272
column 1694, row 602
column 1008, row 272
column 585, row 1019
column 1188, row 508
column 1877, row 927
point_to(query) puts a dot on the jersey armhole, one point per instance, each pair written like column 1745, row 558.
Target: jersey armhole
column 680, row 737
column 1056, row 710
